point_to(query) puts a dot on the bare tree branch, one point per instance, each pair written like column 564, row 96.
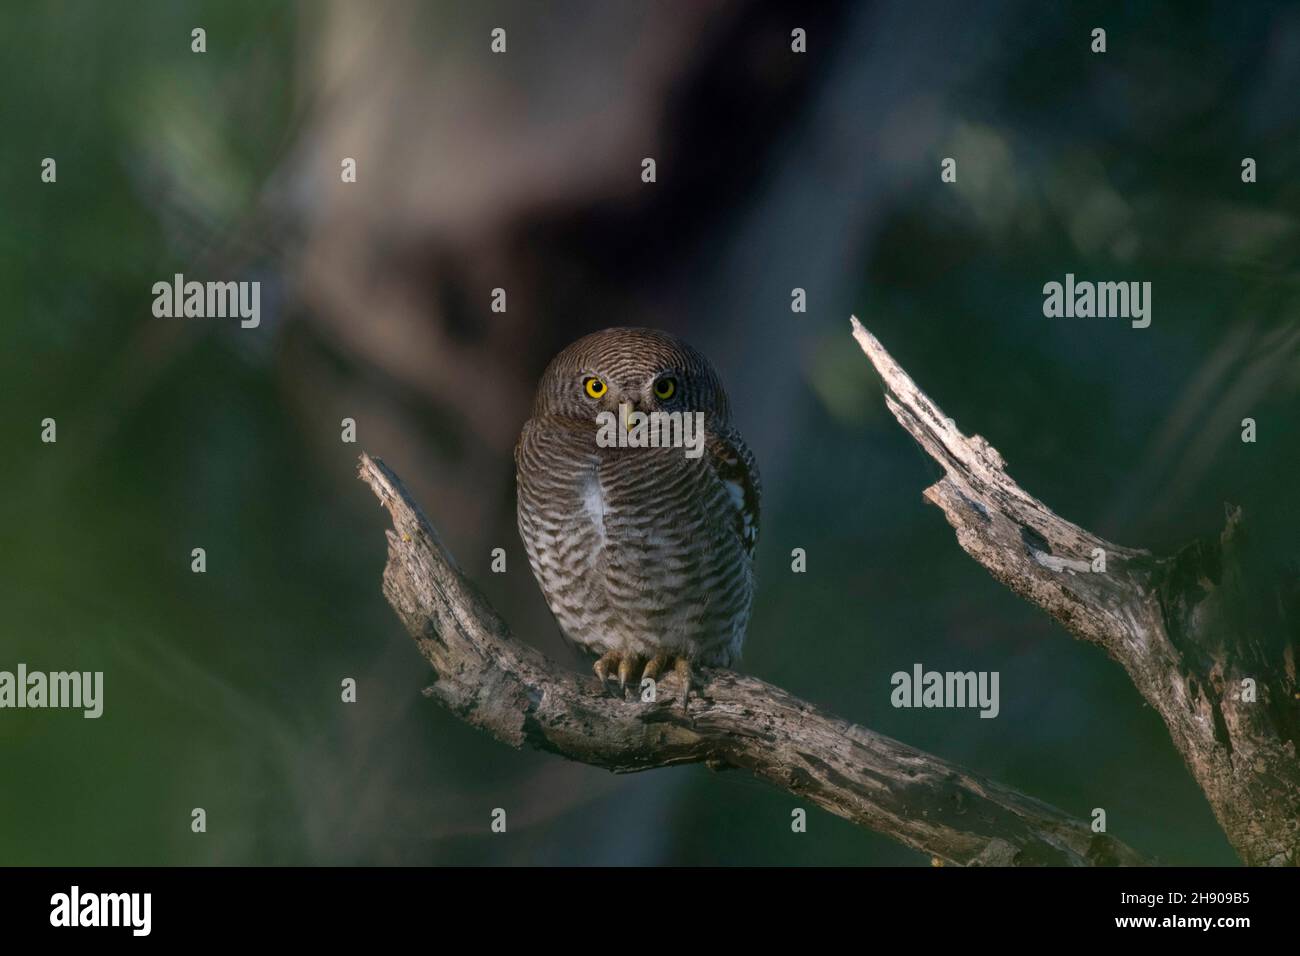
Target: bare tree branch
column 1189, row 629
column 512, row 691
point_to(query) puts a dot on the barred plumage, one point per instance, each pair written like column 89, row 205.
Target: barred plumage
column 645, row 555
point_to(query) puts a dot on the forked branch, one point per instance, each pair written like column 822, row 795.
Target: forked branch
column 1207, row 640
column 490, row 680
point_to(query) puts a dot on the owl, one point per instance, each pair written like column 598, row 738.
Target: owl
column 644, row 552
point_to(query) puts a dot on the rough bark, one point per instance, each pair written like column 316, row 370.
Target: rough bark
column 490, row 680
column 1189, row 628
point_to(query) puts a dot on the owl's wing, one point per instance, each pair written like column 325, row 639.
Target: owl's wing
column 735, row 466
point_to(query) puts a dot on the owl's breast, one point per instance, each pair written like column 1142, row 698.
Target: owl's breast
column 634, row 548
column 560, row 511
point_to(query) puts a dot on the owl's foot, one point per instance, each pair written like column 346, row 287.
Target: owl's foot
column 626, row 666
column 635, row 668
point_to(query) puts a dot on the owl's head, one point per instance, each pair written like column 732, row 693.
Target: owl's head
column 647, row 369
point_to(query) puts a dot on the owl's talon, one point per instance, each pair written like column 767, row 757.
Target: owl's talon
column 654, row 667
column 630, row 664
column 602, row 666
column 682, row 668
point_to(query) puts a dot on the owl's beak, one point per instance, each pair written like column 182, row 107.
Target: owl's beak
column 626, row 406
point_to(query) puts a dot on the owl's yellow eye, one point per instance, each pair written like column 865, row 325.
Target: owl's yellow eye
column 666, row 388
column 595, row 387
